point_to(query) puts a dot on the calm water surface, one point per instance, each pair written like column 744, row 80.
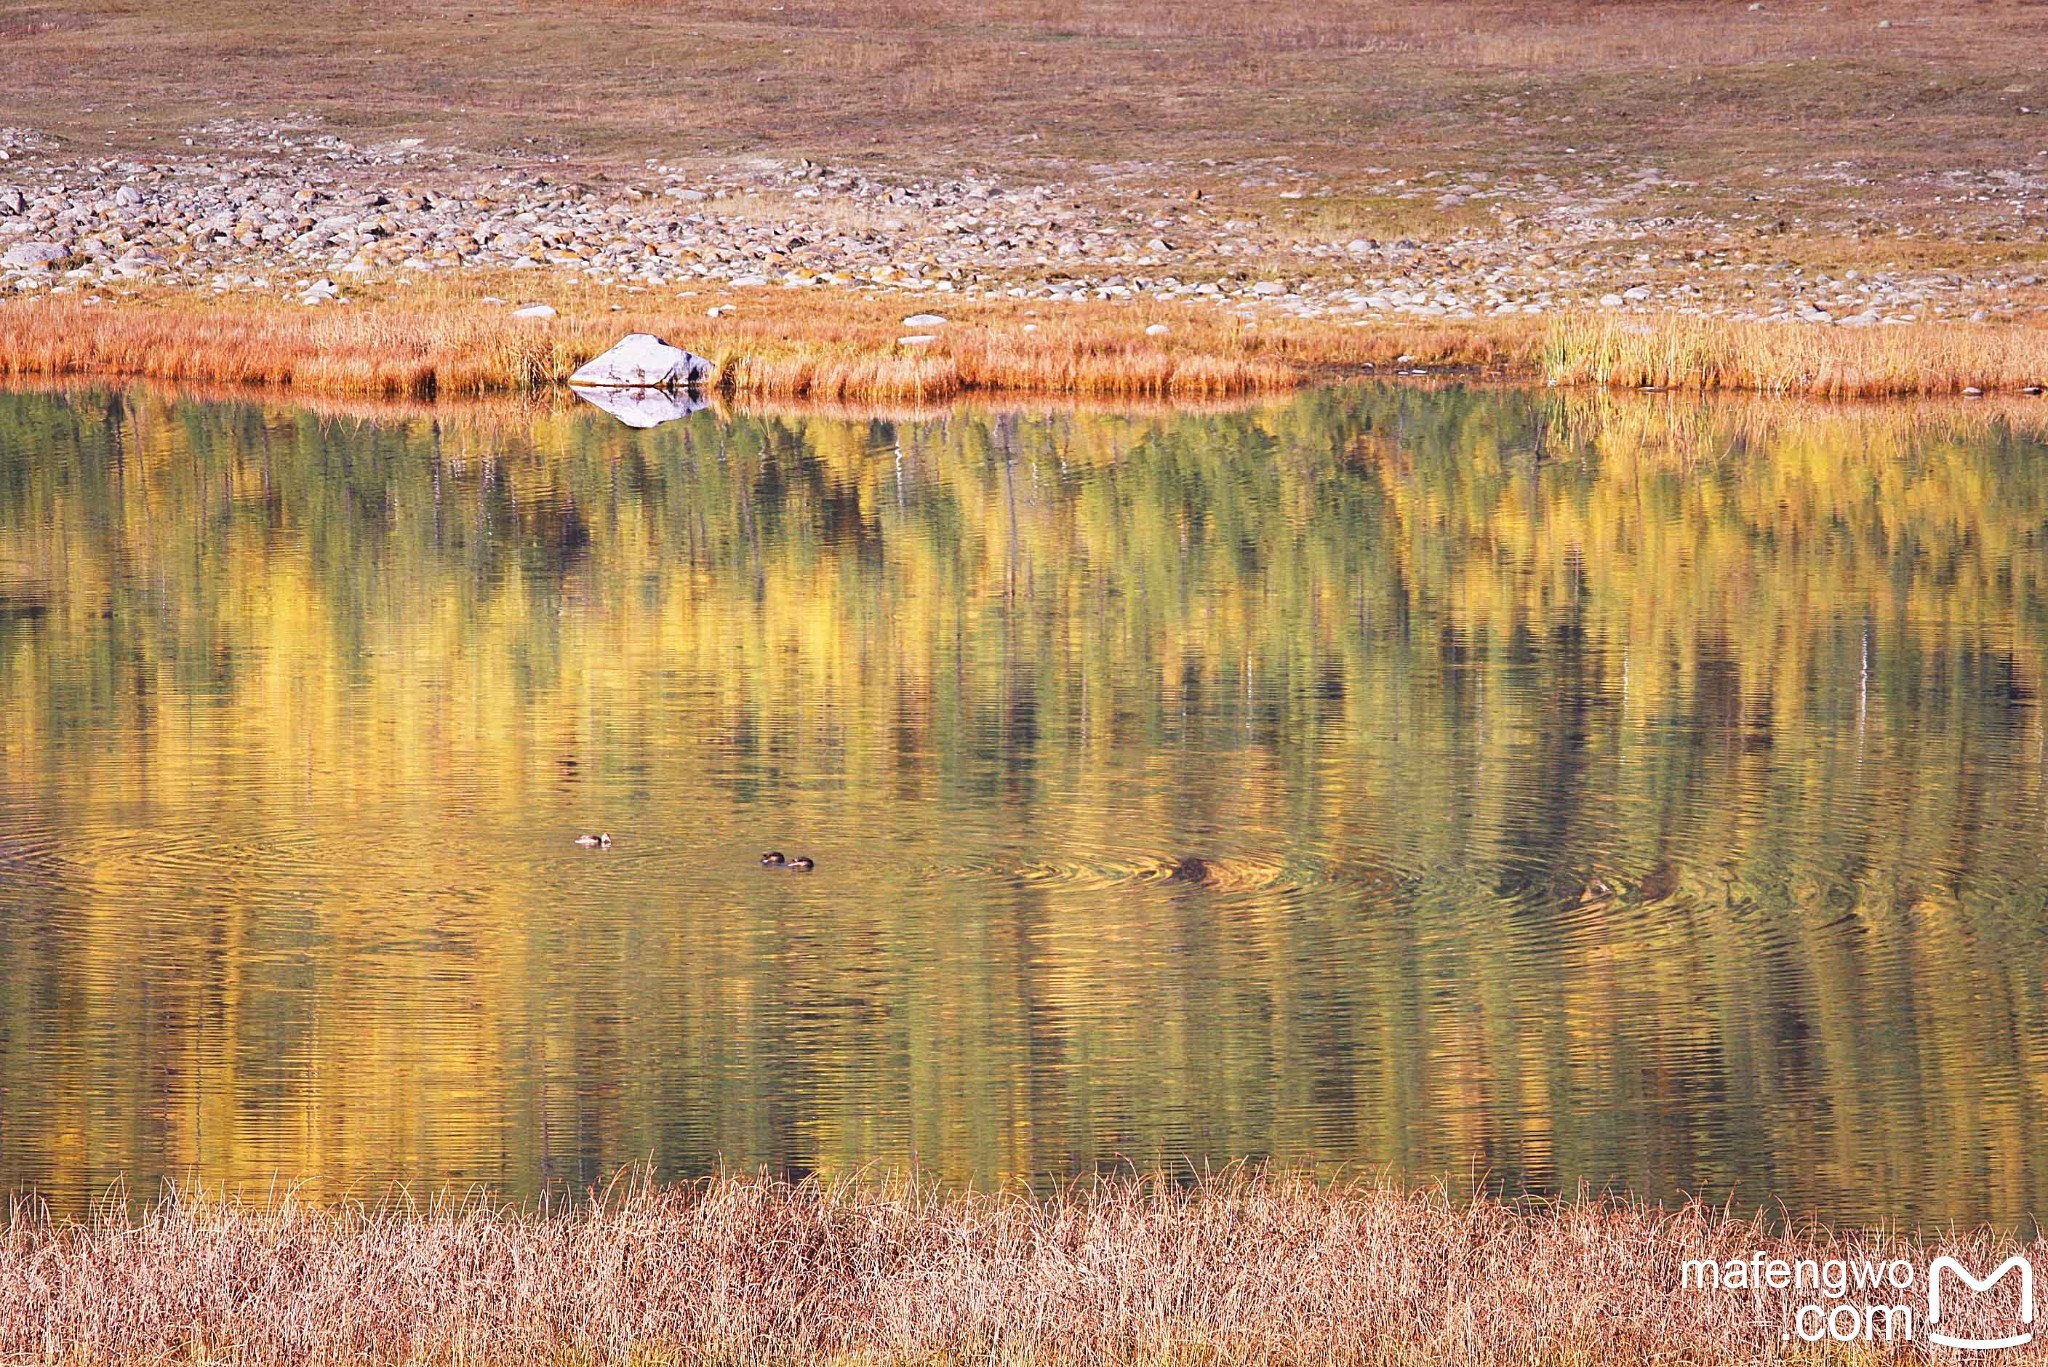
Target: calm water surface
column 1489, row 786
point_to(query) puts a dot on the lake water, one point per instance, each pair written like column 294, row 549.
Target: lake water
column 1492, row 786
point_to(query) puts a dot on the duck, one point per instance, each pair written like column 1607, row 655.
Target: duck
column 773, row 860
column 802, row 864
column 595, row 842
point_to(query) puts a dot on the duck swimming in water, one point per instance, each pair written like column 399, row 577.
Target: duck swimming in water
column 802, row 864
column 595, row 842
column 773, row 860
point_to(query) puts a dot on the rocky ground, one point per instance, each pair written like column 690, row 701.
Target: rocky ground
column 314, row 218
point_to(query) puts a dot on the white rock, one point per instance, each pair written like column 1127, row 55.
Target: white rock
column 644, row 407
column 1611, row 301
column 1636, row 292
column 33, row 254
column 534, row 311
column 924, row 320
column 643, row 361
column 1157, row 330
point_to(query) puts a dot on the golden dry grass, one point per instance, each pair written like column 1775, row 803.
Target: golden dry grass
column 838, row 346
column 1226, row 1269
column 1785, row 358
column 816, row 344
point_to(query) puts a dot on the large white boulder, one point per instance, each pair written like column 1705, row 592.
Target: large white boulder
column 33, row 255
column 643, row 361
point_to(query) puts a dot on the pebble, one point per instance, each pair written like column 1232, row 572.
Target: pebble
column 534, row 311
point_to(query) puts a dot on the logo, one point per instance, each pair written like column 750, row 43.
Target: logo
column 1963, row 1275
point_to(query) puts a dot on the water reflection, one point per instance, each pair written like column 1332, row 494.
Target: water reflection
column 1467, row 783
column 644, row 408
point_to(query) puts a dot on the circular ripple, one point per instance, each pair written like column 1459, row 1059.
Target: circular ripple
column 1227, row 875
column 31, row 854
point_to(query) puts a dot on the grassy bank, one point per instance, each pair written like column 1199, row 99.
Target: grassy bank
column 825, row 345
column 843, row 347
column 1231, row 1269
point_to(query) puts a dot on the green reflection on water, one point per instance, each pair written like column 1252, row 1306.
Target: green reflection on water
column 1472, row 784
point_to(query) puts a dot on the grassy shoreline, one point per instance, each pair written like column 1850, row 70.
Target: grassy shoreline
column 844, row 347
column 1239, row 1267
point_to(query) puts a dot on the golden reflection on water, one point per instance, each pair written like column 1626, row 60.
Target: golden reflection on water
column 1470, row 784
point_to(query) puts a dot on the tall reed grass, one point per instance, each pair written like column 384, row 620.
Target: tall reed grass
column 838, row 346
column 1794, row 359
column 1242, row 1267
column 825, row 345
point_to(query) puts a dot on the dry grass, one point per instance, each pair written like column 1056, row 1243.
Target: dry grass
column 817, row 344
column 1714, row 93
column 1781, row 358
column 1237, row 1268
column 840, row 346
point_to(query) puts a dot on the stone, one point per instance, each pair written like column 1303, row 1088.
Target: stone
column 924, row 320
column 1157, row 330
column 1611, row 301
column 33, row 255
column 640, row 407
column 534, row 311
column 641, row 360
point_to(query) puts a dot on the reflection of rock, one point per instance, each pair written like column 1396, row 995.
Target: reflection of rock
column 643, row 361
column 642, row 407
